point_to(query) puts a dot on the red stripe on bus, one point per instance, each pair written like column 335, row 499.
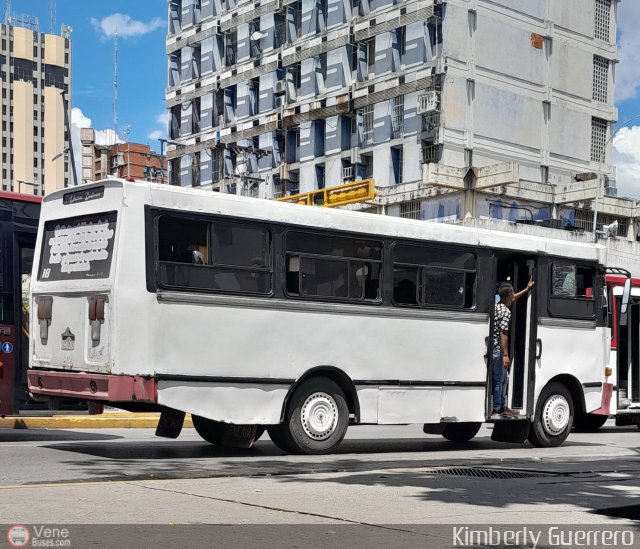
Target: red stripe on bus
column 19, row 197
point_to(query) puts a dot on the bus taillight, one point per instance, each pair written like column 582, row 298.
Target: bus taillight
column 45, row 306
column 96, row 309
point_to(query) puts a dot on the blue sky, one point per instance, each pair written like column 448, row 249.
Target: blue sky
column 142, row 76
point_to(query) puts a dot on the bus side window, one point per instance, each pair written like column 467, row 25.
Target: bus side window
column 293, row 275
column 572, row 291
column 405, row 286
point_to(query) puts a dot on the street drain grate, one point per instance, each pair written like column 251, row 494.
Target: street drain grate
column 502, row 474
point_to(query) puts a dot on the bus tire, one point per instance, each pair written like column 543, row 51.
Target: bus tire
column 210, row 430
column 589, row 422
column 461, row 432
column 553, row 418
column 316, row 418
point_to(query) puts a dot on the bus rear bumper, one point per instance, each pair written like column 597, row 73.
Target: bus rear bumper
column 87, row 386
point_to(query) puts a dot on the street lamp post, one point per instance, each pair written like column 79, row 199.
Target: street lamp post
column 164, row 142
column 20, row 182
column 599, row 180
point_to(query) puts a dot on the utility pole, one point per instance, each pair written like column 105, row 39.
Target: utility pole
column 115, row 89
column 65, row 106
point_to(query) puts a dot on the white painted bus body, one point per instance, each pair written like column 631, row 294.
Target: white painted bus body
column 194, row 345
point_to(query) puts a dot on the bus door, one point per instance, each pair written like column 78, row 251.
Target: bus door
column 25, row 244
column 522, row 342
column 628, row 363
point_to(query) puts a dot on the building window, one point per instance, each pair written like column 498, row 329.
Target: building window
column 397, row 164
column 217, row 160
column 254, row 38
column 320, row 176
column 370, row 46
column 23, row 69
column 397, row 117
column 600, row 79
column 398, row 47
column 367, row 124
column 321, row 15
column 410, row 210
column 598, row 139
column 54, row 76
column 603, row 20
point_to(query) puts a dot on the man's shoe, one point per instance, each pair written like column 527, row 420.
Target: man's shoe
column 508, row 412
column 496, row 413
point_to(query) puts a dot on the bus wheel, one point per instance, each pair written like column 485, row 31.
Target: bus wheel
column 209, row 430
column 554, row 416
column 589, row 422
column 461, row 432
column 316, row 418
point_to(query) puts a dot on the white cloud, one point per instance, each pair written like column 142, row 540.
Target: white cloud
column 125, row 25
column 626, row 146
column 628, row 71
column 163, row 118
column 107, row 137
column 103, row 137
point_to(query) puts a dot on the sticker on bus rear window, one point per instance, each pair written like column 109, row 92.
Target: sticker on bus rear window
column 83, row 195
column 78, row 247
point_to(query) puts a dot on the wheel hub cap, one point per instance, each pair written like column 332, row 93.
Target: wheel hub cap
column 319, row 416
column 555, row 415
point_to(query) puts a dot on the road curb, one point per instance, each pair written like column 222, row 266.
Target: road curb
column 100, row 421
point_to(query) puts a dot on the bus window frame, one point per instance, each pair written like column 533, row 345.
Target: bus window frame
column 379, row 301
column 159, row 213
column 564, row 301
column 422, row 268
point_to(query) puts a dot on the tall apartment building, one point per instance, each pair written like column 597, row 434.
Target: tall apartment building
column 509, row 99
column 35, row 69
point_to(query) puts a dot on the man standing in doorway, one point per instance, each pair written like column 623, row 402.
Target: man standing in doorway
column 501, row 360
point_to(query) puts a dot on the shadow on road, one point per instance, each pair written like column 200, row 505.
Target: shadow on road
column 39, row 435
column 174, row 459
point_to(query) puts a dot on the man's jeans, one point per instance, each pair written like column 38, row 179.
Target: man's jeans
column 499, row 379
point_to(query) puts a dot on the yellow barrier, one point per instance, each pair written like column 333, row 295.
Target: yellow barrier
column 349, row 193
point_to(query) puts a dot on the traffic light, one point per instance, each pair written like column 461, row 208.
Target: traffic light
column 349, row 193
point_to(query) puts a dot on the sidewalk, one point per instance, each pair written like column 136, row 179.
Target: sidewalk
column 106, row 420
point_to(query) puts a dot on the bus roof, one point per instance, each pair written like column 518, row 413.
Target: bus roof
column 20, row 197
column 205, row 201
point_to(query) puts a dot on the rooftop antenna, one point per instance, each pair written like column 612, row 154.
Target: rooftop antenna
column 53, row 17
column 7, row 13
column 115, row 89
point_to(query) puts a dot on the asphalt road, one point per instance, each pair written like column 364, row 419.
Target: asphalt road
column 380, row 476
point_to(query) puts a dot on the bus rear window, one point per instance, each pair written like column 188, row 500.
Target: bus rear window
column 78, row 247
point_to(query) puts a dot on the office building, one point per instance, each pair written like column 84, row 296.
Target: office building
column 35, row 70
column 457, row 108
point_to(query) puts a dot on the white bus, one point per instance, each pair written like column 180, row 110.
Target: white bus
column 253, row 315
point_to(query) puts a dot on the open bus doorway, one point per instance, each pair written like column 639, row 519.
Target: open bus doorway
column 516, row 270
column 628, row 367
column 25, row 248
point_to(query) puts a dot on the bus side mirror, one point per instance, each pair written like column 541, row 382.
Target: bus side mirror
column 624, row 306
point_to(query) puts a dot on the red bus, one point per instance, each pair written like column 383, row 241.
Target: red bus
column 19, row 215
column 625, row 350
column 621, row 397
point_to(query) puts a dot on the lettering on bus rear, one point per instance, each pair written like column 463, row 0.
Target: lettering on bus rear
column 78, row 247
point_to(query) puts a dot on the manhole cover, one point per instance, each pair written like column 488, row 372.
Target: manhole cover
column 488, row 473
